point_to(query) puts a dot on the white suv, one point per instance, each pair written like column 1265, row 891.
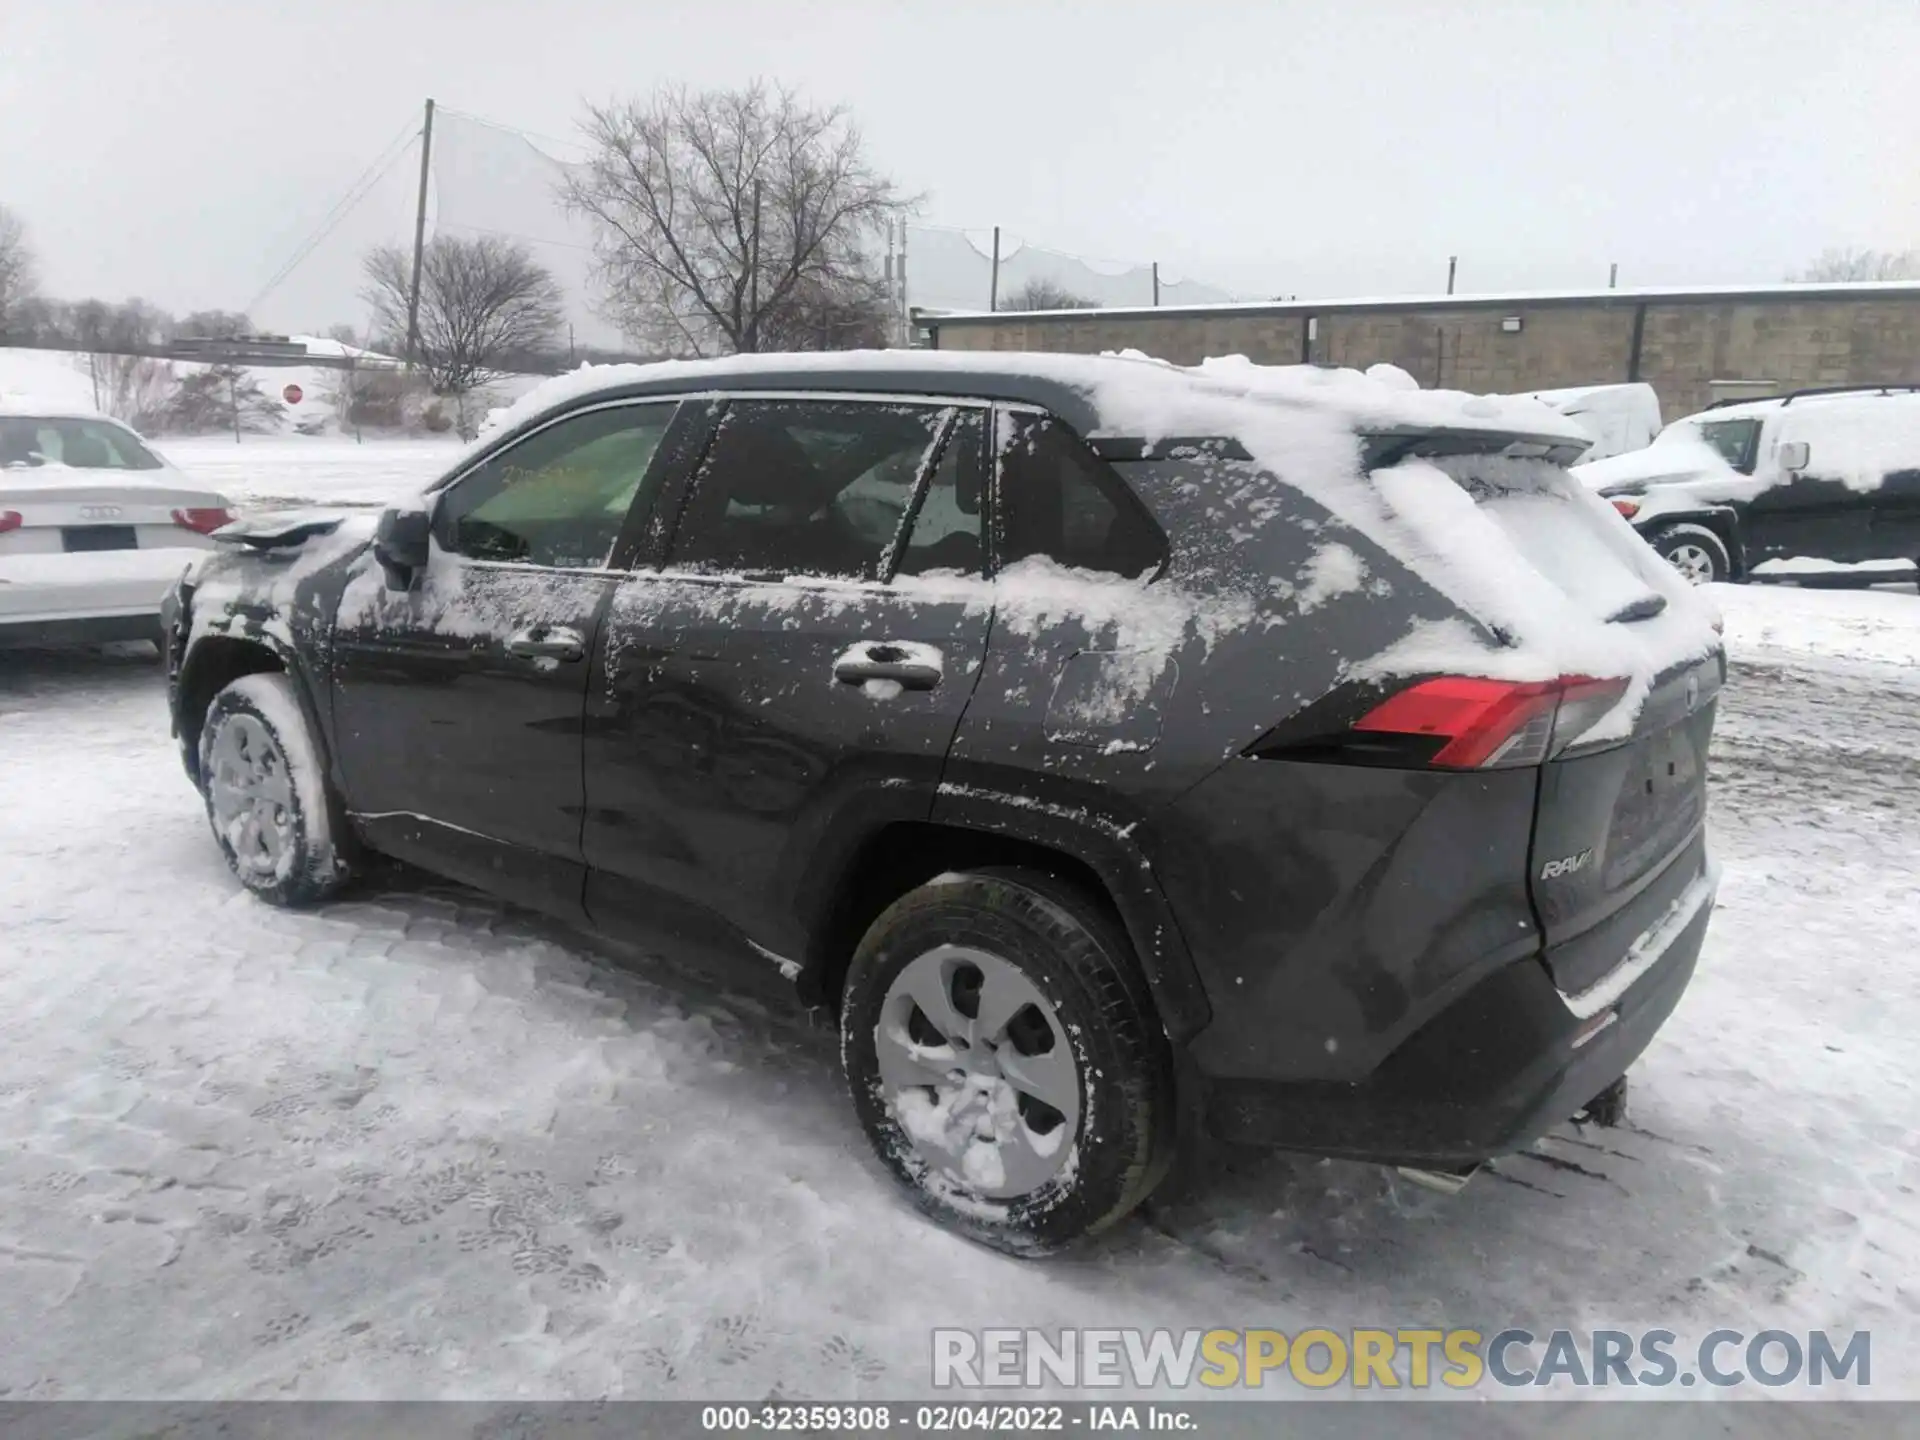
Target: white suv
column 1821, row 477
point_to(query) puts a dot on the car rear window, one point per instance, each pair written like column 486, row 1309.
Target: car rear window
column 76, row 443
column 1558, row 528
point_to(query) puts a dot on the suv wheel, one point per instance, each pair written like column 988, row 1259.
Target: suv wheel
column 1005, row 1060
column 266, row 792
column 1695, row 551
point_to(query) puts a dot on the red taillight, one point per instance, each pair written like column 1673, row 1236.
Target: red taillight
column 1628, row 508
column 1479, row 724
column 11, row 520
column 202, row 521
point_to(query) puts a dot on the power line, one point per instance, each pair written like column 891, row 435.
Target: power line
column 356, row 192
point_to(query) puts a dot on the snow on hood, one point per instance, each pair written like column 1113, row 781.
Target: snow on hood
column 1675, row 456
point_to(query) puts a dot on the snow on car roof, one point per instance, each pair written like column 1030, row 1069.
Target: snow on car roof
column 1124, row 393
column 1767, row 405
column 27, row 406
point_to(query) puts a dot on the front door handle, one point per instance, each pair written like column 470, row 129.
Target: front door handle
column 915, row 667
column 547, row 642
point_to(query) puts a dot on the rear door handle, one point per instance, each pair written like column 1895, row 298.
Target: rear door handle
column 547, row 642
column 911, row 669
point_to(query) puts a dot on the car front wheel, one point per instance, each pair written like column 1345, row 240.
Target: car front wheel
column 1005, row 1059
column 266, row 793
column 1695, row 551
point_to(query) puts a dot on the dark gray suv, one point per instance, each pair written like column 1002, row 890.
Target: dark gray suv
column 1111, row 748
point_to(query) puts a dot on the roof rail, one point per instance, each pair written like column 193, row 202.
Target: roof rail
column 1793, row 395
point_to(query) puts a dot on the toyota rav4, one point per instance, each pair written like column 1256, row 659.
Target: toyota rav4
column 1116, row 751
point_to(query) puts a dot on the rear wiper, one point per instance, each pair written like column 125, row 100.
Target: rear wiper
column 1645, row 608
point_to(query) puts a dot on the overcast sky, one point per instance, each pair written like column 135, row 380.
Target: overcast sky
column 181, row 150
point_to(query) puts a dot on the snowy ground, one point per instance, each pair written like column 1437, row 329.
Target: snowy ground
column 416, row 1144
column 267, row 470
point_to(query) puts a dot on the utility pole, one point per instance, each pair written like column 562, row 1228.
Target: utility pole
column 1156, row 284
column 419, row 236
column 993, row 285
column 1613, row 276
column 1453, row 262
column 906, row 313
column 753, row 278
column 893, row 295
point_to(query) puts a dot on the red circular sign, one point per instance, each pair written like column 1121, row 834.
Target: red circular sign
column 292, row 394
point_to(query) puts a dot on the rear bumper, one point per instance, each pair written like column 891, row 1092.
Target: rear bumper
column 80, row 630
column 1495, row 1070
column 69, row 593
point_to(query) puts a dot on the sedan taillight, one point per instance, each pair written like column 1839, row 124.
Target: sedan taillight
column 11, row 520
column 203, row 521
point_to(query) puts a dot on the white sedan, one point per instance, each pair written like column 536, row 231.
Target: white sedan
column 94, row 528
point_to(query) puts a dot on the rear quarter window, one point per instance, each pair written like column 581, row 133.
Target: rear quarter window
column 1055, row 499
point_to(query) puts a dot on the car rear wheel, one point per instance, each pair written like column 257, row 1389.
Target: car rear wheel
column 1695, row 551
column 266, row 793
column 1005, row 1060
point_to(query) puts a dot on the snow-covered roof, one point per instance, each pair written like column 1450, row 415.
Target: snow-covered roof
column 323, row 345
column 1766, row 405
column 1860, row 290
column 1124, row 393
column 1637, row 390
column 27, row 405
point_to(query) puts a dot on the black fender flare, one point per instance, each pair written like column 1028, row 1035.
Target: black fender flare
column 1112, row 847
column 1723, row 520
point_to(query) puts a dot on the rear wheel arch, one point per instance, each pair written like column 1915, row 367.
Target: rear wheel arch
column 899, row 857
column 1712, row 535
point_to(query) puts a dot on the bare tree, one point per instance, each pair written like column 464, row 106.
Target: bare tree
column 1851, row 264
column 732, row 220
column 483, row 302
column 17, row 282
column 135, row 389
column 1042, row 294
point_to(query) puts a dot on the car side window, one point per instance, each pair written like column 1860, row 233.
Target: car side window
column 1056, row 499
column 949, row 525
column 805, row 487
column 558, row 497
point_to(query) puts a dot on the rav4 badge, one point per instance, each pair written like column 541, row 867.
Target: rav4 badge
column 1554, row 869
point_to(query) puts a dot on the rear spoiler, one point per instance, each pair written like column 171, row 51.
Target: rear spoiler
column 281, row 530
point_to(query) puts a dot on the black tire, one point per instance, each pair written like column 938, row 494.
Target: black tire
column 307, row 861
column 1079, row 961
column 1688, row 547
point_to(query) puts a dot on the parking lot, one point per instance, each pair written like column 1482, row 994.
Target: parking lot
column 416, row 1143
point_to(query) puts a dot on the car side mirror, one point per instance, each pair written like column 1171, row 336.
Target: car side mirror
column 1793, row 456
column 400, row 544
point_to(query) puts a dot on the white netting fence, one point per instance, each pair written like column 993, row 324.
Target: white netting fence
column 490, row 179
